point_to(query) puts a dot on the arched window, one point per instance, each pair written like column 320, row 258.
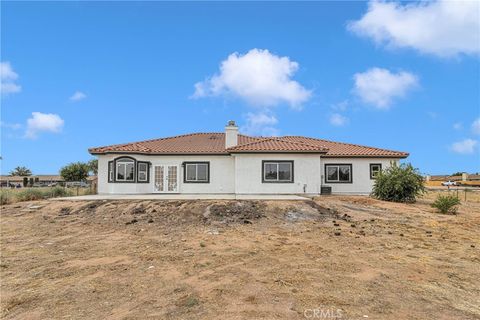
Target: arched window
column 125, row 170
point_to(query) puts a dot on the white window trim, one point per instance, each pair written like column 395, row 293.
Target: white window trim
column 140, row 171
column 110, row 171
column 372, row 175
column 196, row 172
column 327, row 180
column 278, row 170
column 124, row 163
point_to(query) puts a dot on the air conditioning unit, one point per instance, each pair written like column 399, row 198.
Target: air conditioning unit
column 326, row 190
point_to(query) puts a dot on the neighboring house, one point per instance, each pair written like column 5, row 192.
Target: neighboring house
column 37, row 180
column 232, row 163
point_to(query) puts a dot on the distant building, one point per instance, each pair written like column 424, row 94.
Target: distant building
column 39, row 180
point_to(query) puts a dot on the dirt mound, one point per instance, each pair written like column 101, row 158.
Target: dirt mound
column 235, row 212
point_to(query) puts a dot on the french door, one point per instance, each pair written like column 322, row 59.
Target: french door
column 166, row 178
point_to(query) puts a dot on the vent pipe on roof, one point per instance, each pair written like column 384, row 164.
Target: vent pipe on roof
column 231, row 134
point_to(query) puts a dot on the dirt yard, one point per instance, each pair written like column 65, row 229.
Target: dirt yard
column 343, row 257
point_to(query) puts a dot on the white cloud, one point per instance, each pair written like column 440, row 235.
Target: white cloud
column 336, row 119
column 259, row 77
column 261, row 123
column 443, row 28
column 8, row 78
column 466, row 146
column 43, row 122
column 379, row 87
column 77, row 96
column 458, row 126
column 476, row 126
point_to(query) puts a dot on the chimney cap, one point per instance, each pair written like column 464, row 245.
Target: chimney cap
column 231, row 123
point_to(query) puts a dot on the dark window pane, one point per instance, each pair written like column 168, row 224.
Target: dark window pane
column 142, row 172
column 120, row 172
column 191, row 172
column 270, row 171
column 129, row 171
column 202, row 172
column 344, row 173
column 375, row 168
column 332, row 173
column 285, row 171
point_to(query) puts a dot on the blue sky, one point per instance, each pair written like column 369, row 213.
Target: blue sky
column 77, row 75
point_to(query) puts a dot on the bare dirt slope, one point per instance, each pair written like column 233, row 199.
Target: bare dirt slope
column 239, row 260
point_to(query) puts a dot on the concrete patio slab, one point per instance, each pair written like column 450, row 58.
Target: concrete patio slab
column 184, row 197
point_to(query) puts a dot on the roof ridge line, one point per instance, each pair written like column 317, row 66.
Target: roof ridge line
column 249, row 143
column 277, row 139
column 350, row 144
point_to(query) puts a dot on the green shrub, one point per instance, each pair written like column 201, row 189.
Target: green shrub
column 6, row 196
column 30, row 195
column 399, row 184
column 446, row 204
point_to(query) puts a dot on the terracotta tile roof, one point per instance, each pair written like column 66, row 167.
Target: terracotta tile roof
column 195, row 143
column 214, row 143
column 340, row 149
column 277, row 145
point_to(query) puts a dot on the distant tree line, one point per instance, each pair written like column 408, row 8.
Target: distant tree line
column 77, row 171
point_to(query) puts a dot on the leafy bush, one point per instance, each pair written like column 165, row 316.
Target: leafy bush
column 30, row 195
column 77, row 171
column 446, row 204
column 399, row 184
column 6, row 196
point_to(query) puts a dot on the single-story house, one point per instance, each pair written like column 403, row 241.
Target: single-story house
column 233, row 163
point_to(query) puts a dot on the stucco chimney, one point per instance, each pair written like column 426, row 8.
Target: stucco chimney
column 231, row 134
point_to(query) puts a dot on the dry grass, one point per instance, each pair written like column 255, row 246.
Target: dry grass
column 464, row 196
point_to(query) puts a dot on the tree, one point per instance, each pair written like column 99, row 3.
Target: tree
column 93, row 165
column 77, row 171
column 399, row 184
column 21, row 171
column 457, row 173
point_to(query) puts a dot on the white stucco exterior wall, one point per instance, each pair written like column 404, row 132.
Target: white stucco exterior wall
column 361, row 182
column 221, row 174
column 242, row 174
column 248, row 174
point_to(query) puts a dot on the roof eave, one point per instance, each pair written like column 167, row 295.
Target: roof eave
column 159, row 153
column 367, row 156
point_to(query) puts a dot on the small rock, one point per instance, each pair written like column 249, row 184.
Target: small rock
column 472, row 245
column 401, row 234
column 132, row 221
column 353, row 225
column 150, row 220
column 337, row 233
column 336, row 224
